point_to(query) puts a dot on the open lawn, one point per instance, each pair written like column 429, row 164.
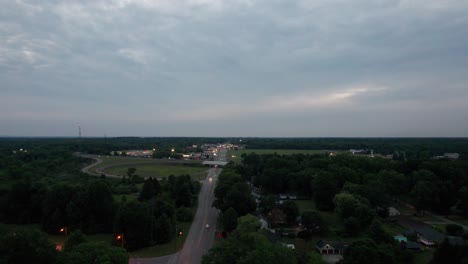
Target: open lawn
column 237, row 153
column 149, row 167
column 158, row 170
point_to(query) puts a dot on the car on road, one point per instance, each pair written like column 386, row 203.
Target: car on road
column 210, row 179
column 207, row 226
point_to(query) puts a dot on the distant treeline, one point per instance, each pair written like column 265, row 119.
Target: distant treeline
column 414, row 148
column 106, row 145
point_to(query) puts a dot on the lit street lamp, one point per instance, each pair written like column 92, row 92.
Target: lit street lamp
column 121, row 238
column 64, row 230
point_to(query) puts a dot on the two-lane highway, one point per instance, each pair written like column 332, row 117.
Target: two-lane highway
column 200, row 239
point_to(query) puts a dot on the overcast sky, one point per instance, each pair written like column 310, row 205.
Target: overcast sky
column 234, row 68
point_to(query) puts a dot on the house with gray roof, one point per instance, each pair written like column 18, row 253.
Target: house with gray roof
column 332, row 247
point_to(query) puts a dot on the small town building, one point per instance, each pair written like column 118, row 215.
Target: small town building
column 428, row 236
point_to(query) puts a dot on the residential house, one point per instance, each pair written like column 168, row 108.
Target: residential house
column 332, row 247
column 403, row 240
column 428, row 236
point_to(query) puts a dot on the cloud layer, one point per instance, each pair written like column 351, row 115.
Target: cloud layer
column 234, row 68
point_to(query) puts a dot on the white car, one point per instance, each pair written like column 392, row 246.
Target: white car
column 207, row 226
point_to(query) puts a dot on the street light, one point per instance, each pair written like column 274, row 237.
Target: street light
column 121, row 238
column 64, row 230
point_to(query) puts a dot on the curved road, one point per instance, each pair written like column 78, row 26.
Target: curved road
column 98, row 161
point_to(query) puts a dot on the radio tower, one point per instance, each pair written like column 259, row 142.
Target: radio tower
column 79, row 131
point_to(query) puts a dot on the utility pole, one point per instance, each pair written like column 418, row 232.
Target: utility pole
column 175, row 239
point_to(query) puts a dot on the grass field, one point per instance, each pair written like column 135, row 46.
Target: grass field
column 158, row 170
column 238, row 153
column 149, row 167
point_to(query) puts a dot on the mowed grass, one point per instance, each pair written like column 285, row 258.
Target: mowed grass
column 149, row 167
column 158, row 170
column 116, row 160
column 238, row 153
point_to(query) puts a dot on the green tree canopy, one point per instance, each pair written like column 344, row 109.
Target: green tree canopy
column 229, row 219
column 26, row 246
column 94, row 252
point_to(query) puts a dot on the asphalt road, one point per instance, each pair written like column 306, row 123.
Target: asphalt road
column 200, row 239
column 98, row 161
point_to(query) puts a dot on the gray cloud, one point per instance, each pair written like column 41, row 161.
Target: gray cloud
column 238, row 67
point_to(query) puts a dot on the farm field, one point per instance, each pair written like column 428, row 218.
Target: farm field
column 239, row 152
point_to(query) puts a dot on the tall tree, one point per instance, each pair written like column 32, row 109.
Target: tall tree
column 229, row 219
column 26, row 246
column 324, row 188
